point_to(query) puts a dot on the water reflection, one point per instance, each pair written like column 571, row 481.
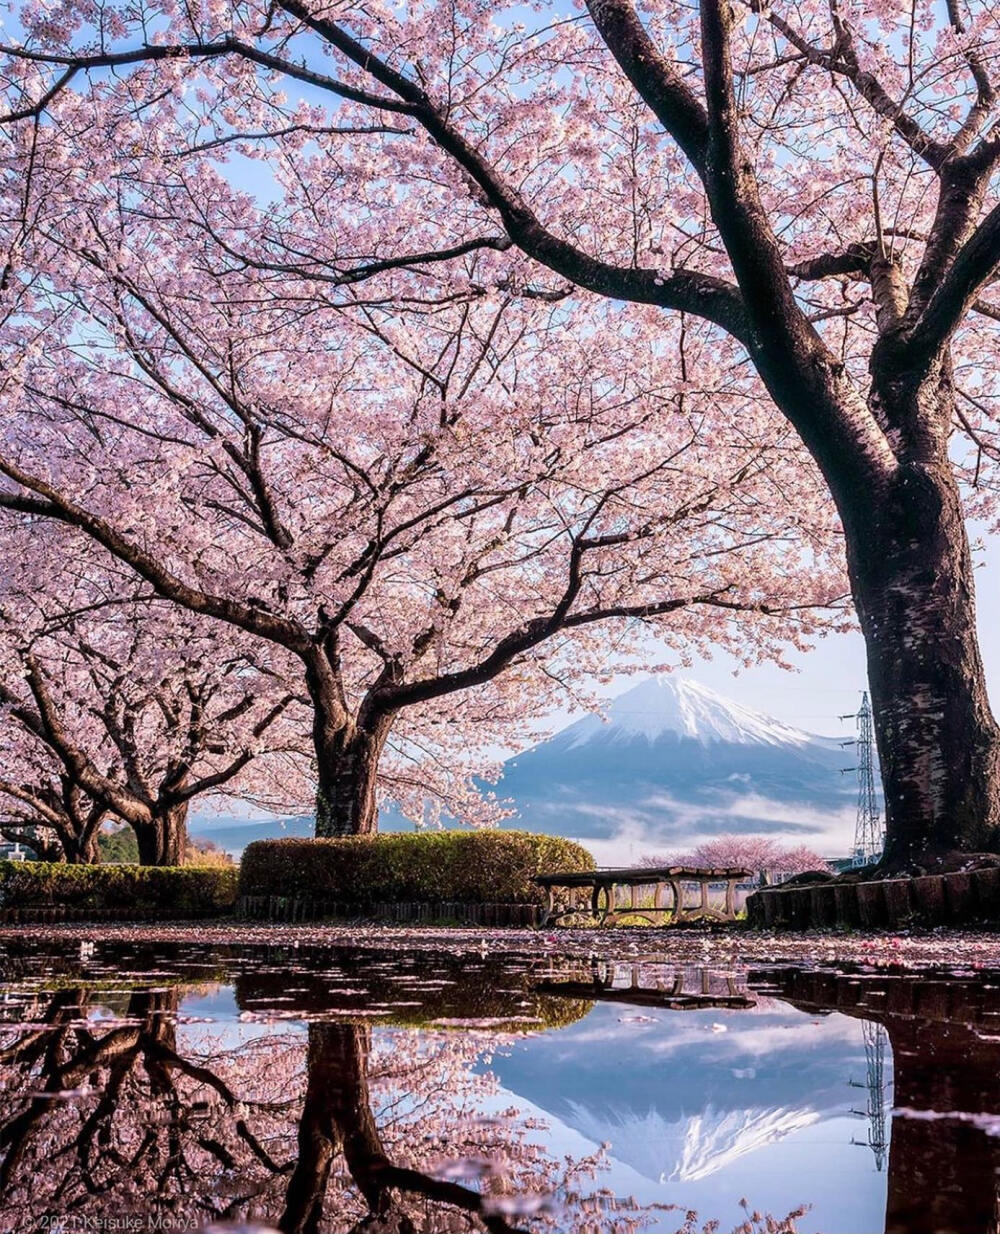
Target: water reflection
column 106, row 1112
column 117, row 1102
column 944, row 1033
column 353, row 1091
column 389, row 1193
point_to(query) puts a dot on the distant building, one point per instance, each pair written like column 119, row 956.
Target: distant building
column 15, row 850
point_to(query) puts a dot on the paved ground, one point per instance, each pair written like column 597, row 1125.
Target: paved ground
column 721, row 947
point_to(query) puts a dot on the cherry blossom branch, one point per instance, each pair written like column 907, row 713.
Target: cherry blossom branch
column 705, row 295
column 664, row 91
column 691, row 291
column 51, row 503
column 153, row 52
column 842, row 59
column 972, row 267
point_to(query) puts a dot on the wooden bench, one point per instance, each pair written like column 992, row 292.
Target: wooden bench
column 595, row 893
column 642, row 983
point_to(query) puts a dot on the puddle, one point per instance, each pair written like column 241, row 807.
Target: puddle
column 340, row 1090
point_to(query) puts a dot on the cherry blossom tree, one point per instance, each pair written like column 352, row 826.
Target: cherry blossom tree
column 811, row 185
column 42, row 807
column 110, row 705
column 754, row 852
column 430, row 499
column 757, row 853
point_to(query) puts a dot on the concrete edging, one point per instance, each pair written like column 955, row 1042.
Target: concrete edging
column 963, row 897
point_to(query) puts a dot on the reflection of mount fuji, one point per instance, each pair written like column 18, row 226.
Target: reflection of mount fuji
column 693, row 1100
column 699, row 1144
column 673, row 760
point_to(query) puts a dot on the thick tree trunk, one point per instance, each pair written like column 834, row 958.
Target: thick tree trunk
column 82, row 850
column 162, row 840
column 938, row 743
column 337, row 1118
column 347, row 774
column 943, row 1167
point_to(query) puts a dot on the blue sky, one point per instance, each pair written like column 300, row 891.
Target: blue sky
column 829, row 680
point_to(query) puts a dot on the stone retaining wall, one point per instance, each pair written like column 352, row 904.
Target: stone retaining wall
column 56, row 914
column 897, row 903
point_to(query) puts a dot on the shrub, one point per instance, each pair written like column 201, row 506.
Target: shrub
column 204, row 852
column 472, row 867
column 194, row 889
column 456, row 991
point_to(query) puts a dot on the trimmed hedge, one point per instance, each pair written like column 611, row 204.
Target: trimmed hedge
column 491, row 990
column 474, row 867
column 44, row 884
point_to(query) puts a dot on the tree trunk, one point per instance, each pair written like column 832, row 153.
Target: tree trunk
column 347, row 774
column 337, row 1118
column 943, row 1168
column 162, row 840
column 938, row 743
column 82, row 850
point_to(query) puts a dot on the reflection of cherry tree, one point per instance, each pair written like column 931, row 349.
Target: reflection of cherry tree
column 112, row 1103
column 108, row 1104
column 111, row 1112
column 404, row 1115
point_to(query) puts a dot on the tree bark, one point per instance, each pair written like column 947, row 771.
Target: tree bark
column 81, row 850
column 943, row 1169
column 162, row 840
column 346, row 801
column 938, row 743
column 337, row 1118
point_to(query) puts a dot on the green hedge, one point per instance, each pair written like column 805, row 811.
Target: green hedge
column 195, row 889
column 473, row 867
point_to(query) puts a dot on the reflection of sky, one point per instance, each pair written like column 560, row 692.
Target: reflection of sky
column 701, row 1117
column 215, row 1013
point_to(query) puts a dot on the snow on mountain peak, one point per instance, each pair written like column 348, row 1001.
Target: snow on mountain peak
column 668, row 705
column 692, row 1147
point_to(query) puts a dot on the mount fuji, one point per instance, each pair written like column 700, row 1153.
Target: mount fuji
column 672, row 762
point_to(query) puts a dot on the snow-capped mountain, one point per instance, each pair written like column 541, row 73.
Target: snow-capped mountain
column 694, row 1146
column 693, row 1103
column 672, row 762
column 666, row 706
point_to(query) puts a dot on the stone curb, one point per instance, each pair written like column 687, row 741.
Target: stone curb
column 960, row 898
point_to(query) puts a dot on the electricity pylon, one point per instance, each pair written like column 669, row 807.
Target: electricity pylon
column 869, row 830
column 875, row 1038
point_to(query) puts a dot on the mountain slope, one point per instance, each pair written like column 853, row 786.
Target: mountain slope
column 665, row 707
column 673, row 762
column 692, row 1101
